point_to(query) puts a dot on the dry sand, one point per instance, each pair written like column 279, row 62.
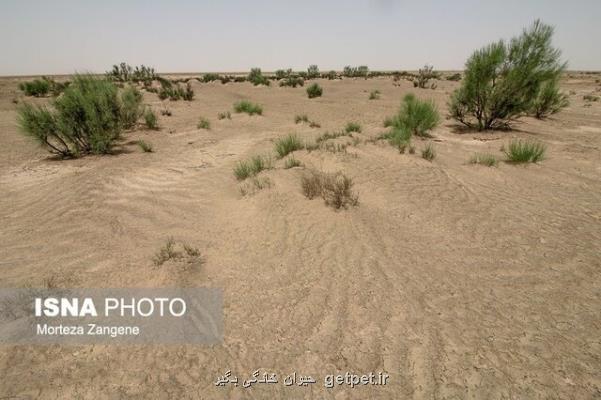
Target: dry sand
column 460, row 281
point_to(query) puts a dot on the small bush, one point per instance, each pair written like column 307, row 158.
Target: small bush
column 484, row 159
column 417, row 117
column 36, row 88
column 301, row 118
column 424, row 75
column 150, row 119
column 331, row 75
column 519, row 151
column 166, row 253
column 590, row 97
column 166, row 112
column 131, row 107
column 292, row 162
column 246, row 169
column 374, row 95
column 428, row 152
column 352, row 127
column 255, row 184
column 146, row 147
column 287, row 145
column 256, row 77
column 247, row 107
column 126, row 73
column 335, row 189
column 224, row 115
column 351, row 72
column 313, row 124
column 549, row 100
column 314, row 91
column 85, row 119
column 456, row 77
column 292, row 81
column 312, row 72
column 210, row 77
column 203, row 123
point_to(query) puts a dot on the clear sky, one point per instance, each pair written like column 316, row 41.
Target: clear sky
column 63, row 36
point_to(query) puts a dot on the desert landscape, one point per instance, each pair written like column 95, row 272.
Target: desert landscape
column 460, row 278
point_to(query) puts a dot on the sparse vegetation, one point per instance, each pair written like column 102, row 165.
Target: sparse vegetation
column 247, row 107
column 424, row 75
column 428, row 153
column 150, row 119
column 335, row 189
column 301, row 118
column 352, row 127
column 203, row 123
column 590, row 97
column 352, row 72
column 502, row 81
column 246, row 169
column 374, row 95
column 256, row 77
column 254, row 185
column 126, row 73
column 314, row 91
column 292, row 162
column 131, row 107
column 145, row 146
column 85, row 119
column 456, row 77
column 287, row 145
column 224, row 115
column 292, row 81
column 523, row 151
column 166, row 253
column 484, row 159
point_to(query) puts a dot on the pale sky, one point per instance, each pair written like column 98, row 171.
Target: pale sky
column 63, row 36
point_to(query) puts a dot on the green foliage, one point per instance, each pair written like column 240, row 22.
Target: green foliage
column 549, row 100
column 175, row 92
column 245, row 106
column 42, row 87
column 146, row 147
column 416, row 117
column 503, row 80
column 246, row 169
column 352, row 127
column 456, row 77
column 352, row 72
column 125, row 73
column 523, row 151
column 292, row 81
column 312, row 72
column 428, row 153
column 203, row 123
column 292, row 162
column 131, row 107
column 85, row 119
column 150, row 119
column 282, row 74
column 484, row 159
column 256, row 77
column 314, row 91
column 424, row 75
column 210, row 77
column 331, row 75
column 287, row 145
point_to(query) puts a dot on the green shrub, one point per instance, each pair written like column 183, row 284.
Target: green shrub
column 85, row 119
column 146, row 147
column 131, row 107
column 312, row 72
column 126, row 73
column 424, row 75
column 287, row 145
column 282, row 74
column 210, row 77
column 150, row 119
column 203, row 123
column 292, row 81
column 352, row 127
column 246, row 169
column 456, row 77
column 292, row 162
column 331, row 75
column 549, row 100
column 256, row 77
column 484, row 159
column 416, row 117
column 314, row 91
column 374, row 95
column 502, row 81
column 36, row 88
column 428, row 152
column 519, row 151
column 351, row 72
column 245, row 106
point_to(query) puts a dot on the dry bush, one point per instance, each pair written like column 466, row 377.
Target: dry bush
column 334, row 188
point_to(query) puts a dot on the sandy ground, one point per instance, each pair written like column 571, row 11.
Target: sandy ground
column 460, row 281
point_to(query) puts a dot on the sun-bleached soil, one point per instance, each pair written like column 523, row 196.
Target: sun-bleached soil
column 460, row 281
